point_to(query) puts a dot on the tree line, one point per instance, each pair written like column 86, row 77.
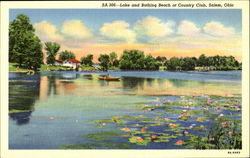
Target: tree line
column 25, row 48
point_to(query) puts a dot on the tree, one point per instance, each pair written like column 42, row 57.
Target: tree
column 188, row 64
column 52, row 48
column 87, row 60
column 132, row 60
column 161, row 60
column 104, row 61
column 113, row 59
column 202, row 60
column 174, row 64
column 151, row 63
column 66, row 55
column 25, row 47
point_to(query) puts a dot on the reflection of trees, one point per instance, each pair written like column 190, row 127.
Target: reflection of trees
column 150, row 81
column 88, row 76
column 132, row 82
column 185, row 83
column 52, row 85
column 22, row 96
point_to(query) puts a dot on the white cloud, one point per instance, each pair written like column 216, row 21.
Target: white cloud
column 153, row 27
column 118, row 30
column 47, row 31
column 188, row 28
column 76, row 29
column 218, row 29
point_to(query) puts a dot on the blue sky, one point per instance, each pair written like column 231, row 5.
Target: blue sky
column 96, row 17
column 164, row 32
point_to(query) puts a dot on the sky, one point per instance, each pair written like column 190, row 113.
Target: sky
column 161, row 32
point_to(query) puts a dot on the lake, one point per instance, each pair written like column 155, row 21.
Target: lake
column 68, row 110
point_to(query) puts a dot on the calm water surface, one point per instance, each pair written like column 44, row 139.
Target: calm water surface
column 62, row 103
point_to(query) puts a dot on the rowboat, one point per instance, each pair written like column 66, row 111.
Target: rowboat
column 109, row 78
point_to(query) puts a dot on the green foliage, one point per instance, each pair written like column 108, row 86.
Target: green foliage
column 132, row 60
column 113, row 59
column 18, row 111
column 87, row 61
column 218, row 137
column 174, row 64
column 104, row 61
column 139, row 140
column 205, row 63
column 151, row 63
column 161, row 60
column 136, row 60
column 25, row 47
column 188, row 64
column 66, row 55
column 187, row 128
column 52, row 48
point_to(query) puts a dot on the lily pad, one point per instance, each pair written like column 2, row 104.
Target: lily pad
column 140, row 140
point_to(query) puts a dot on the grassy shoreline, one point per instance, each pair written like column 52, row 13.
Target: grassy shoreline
column 14, row 66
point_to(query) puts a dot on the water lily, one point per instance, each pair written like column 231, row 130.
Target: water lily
column 139, row 139
column 103, row 124
column 153, row 137
column 220, row 116
column 200, row 119
column 182, row 117
column 230, row 133
column 224, row 124
column 141, row 115
column 185, row 132
column 126, row 129
column 51, row 118
column 117, row 118
column 185, row 111
column 171, row 125
column 143, row 130
column 206, row 108
column 179, row 142
column 166, row 119
column 157, row 119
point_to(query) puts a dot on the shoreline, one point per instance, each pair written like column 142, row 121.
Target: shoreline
column 120, row 70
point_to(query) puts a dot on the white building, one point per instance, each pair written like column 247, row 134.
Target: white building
column 71, row 63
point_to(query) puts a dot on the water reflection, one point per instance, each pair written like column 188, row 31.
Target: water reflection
column 23, row 93
column 88, row 76
column 133, row 82
column 25, row 90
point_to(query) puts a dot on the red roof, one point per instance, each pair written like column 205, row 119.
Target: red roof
column 60, row 61
column 74, row 60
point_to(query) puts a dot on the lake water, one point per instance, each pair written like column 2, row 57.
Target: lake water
column 55, row 108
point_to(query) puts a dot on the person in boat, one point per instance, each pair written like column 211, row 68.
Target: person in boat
column 106, row 76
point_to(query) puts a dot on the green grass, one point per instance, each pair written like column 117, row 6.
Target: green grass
column 13, row 66
column 18, row 111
